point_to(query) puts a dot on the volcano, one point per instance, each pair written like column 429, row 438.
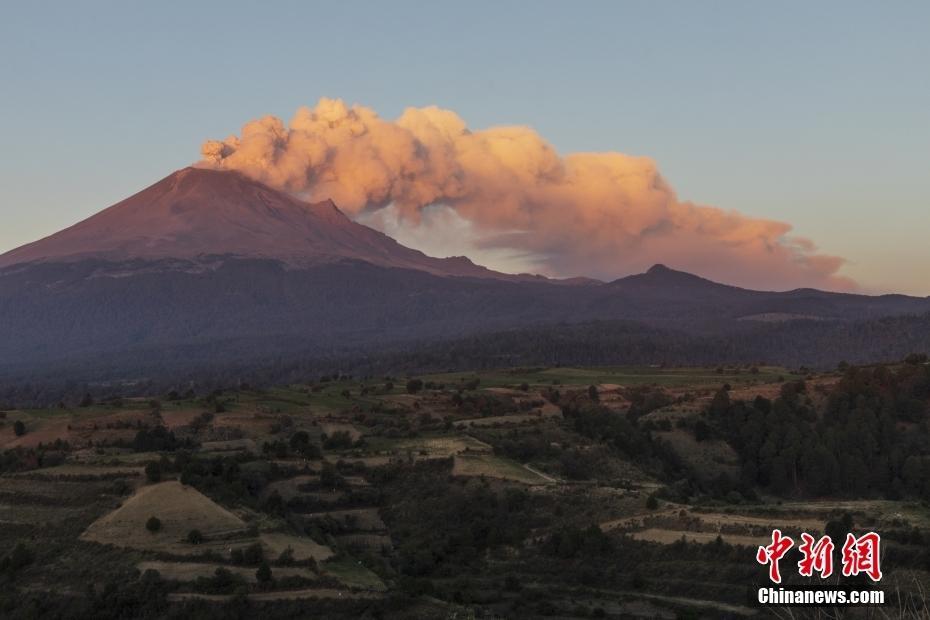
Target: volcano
column 198, row 213
column 209, row 270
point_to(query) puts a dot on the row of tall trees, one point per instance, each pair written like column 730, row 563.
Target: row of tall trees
column 867, row 437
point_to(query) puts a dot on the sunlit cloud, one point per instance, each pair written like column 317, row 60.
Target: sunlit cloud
column 505, row 194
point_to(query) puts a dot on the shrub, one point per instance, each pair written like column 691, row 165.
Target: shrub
column 593, row 393
column 253, row 554
column 19, row 428
column 338, row 440
column 156, row 440
column 195, row 537
column 153, row 524
column 702, row 431
column 263, row 574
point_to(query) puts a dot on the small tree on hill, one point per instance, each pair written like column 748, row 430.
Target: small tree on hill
column 287, row 557
column 593, row 393
column 153, row 524
column 153, row 472
column 702, row 430
column 194, row 537
column 19, row 428
column 414, row 386
column 263, row 574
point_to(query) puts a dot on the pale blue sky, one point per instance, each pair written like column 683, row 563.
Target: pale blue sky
column 815, row 113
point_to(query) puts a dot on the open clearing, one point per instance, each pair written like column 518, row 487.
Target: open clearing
column 495, row 467
column 442, row 446
column 302, row 547
column 229, row 445
column 710, row 457
column 353, row 574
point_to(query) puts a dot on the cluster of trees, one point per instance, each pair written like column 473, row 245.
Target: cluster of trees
column 604, row 426
column 43, row 455
column 299, row 444
column 572, row 541
column 442, row 525
column 159, row 439
column 869, row 437
column 483, row 404
column 232, row 479
column 525, row 447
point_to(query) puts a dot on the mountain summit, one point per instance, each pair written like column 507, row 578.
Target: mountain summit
column 197, row 212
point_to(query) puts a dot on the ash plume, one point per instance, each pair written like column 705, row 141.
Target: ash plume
column 597, row 214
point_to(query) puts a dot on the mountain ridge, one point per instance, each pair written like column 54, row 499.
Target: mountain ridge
column 207, row 259
column 196, row 212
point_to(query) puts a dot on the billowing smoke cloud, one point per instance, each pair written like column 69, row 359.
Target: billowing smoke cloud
column 597, row 214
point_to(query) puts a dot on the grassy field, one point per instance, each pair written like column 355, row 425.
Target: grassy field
column 495, row 467
column 301, row 547
column 353, row 574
